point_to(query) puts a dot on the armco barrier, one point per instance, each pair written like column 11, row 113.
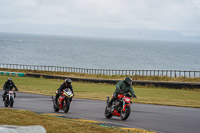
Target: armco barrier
column 166, row 73
column 12, row 73
column 176, row 85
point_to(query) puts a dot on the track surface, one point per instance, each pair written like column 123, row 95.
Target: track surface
column 166, row 119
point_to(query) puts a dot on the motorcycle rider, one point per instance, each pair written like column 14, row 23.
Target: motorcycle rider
column 125, row 86
column 64, row 85
column 9, row 84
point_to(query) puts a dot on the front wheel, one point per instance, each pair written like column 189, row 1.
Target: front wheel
column 66, row 105
column 107, row 113
column 11, row 102
column 125, row 114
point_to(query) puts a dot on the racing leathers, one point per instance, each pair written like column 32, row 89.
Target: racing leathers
column 122, row 86
column 62, row 87
column 9, row 85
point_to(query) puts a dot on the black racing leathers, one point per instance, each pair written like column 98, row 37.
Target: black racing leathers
column 62, row 87
column 7, row 87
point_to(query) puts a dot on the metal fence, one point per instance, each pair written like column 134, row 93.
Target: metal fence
column 168, row 73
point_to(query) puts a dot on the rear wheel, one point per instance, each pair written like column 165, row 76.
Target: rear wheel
column 55, row 106
column 6, row 102
column 125, row 114
column 66, row 105
column 107, row 113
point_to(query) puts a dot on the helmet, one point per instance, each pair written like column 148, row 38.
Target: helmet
column 9, row 79
column 68, row 80
column 128, row 80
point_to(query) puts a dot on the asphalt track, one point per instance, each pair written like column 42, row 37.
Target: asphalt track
column 165, row 119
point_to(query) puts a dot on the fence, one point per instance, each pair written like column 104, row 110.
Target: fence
column 168, row 73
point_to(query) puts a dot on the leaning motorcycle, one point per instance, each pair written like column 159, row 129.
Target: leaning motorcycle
column 9, row 99
column 119, row 107
column 63, row 102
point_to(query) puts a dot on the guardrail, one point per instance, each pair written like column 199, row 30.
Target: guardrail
column 168, row 73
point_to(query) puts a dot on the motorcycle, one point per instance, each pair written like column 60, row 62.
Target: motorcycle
column 9, row 98
column 119, row 107
column 63, row 102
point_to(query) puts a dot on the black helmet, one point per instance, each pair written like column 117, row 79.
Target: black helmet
column 128, row 80
column 9, row 79
column 68, row 80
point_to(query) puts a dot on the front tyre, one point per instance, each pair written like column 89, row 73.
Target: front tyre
column 11, row 102
column 107, row 113
column 125, row 114
column 66, row 105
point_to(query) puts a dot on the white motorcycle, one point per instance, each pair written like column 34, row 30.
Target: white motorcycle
column 9, row 99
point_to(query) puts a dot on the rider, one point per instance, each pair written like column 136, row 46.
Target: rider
column 125, row 86
column 9, row 86
column 66, row 84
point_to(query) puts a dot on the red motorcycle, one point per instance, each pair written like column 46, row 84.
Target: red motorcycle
column 63, row 102
column 119, row 107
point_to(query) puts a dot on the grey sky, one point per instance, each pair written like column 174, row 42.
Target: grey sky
column 181, row 16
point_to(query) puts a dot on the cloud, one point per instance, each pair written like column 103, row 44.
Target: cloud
column 182, row 16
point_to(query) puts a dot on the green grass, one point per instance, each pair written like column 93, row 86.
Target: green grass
column 55, row 124
column 150, row 95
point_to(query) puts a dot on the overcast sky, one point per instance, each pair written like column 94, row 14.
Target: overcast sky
column 74, row 16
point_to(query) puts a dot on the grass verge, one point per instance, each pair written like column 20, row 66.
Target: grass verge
column 149, row 95
column 55, row 124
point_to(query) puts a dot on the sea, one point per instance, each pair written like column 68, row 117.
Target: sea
column 98, row 53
